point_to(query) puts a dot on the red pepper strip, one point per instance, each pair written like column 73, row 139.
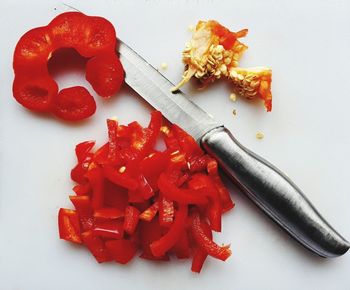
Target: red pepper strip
column 121, row 179
column 149, row 232
column 101, row 155
column 154, row 126
column 131, row 219
column 83, row 207
column 112, row 138
column 122, row 250
column 198, row 163
column 82, row 150
column 161, row 246
column 108, row 213
column 96, row 179
column 82, row 189
column 204, row 183
column 225, row 197
column 200, row 255
column 152, row 166
column 186, row 142
column 150, row 212
column 109, row 229
column 186, row 196
column 166, row 211
column 96, row 246
column 181, row 248
column 206, row 243
column 68, row 225
column 144, row 187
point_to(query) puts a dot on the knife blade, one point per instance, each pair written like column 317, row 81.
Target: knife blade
column 270, row 189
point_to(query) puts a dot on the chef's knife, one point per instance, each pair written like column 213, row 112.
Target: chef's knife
column 272, row 191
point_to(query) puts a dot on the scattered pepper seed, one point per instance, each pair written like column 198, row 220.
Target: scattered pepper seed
column 259, row 135
column 234, row 112
column 165, row 130
column 164, row 65
column 122, row 169
column 233, row 97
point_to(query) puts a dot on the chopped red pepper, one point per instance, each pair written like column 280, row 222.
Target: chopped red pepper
column 206, row 243
column 73, row 104
column 166, row 211
column 122, row 250
column 68, row 224
column 131, row 219
column 96, row 246
column 109, row 229
column 171, row 192
column 131, row 196
column 161, row 246
column 91, row 37
column 108, row 213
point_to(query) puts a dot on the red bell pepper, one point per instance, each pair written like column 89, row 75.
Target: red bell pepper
column 95, row 177
column 108, row 213
column 150, row 232
column 166, row 211
column 83, row 207
column 171, row 192
column 122, row 250
column 91, row 37
column 206, row 243
column 96, row 246
column 68, row 224
column 131, row 196
column 112, row 138
column 161, row 246
column 131, row 219
column 121, row 179
column 109, row 229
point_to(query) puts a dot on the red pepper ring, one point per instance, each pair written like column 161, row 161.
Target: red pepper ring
column 92, row 37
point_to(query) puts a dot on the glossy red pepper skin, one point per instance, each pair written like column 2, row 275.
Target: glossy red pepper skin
column 166, row 242
column 91, row 37
column 131, row 219
column 206, row 243
column 122, row 250
column 132, row 196
column 68, row 225
column 96, row 246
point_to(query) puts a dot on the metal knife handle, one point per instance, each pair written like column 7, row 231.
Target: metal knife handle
column 274, row 193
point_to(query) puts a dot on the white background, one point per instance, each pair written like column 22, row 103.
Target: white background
column 307, row 135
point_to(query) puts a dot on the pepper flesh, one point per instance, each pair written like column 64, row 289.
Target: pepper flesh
column 93, row 38
column 131, row 196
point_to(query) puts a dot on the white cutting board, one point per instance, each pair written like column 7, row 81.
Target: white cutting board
column 307, row 135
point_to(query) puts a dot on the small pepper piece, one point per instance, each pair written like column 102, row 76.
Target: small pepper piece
column 131, row 219
column 96, row 246
column 68, row 225
column 161, row 246
column 206, row 243
column 122, row 250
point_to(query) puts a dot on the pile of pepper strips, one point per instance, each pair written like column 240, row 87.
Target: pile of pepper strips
column 130, row 196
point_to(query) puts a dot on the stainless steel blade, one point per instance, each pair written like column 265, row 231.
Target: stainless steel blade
column 155, row 89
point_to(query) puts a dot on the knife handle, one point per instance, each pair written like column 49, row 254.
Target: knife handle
column 274, row 193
